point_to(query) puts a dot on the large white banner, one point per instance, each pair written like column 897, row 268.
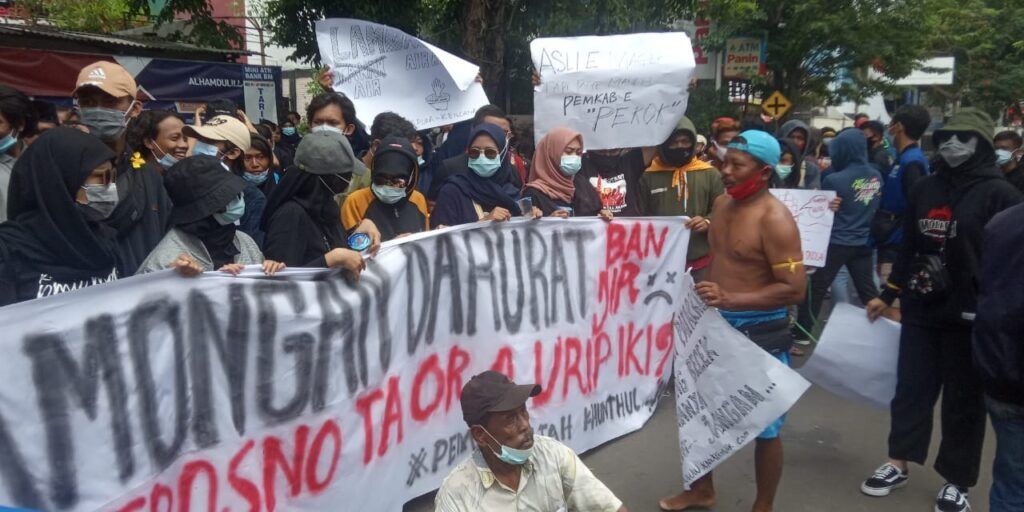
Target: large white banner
column 309, row 392
column 386, row 70
column 813, row 219
column 727, row 388
column 618, row 91
column 856, row 358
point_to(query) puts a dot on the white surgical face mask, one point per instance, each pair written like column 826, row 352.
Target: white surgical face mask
column 955, row 151
column 326, row 128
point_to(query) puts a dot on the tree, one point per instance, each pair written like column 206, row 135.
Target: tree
column 201, row 28
column 813, row 45
column 293, row 21
column 84, row 15
column 987, row 39
column 494, row 34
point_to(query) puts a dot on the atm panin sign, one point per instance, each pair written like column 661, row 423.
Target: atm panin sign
column 744, row 58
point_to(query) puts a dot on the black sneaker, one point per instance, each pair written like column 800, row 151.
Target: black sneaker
column 952, row 499
column 885, row 479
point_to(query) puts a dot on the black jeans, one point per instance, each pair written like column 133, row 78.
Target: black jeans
column 934, row 359
column 857, row 261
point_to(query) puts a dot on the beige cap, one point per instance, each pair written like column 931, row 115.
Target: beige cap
column 224, row 128
column 109, row 77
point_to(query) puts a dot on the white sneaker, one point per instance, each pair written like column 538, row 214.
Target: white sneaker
column 952, row 499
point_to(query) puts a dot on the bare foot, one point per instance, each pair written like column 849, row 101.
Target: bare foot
column 758, row 508
column 688, row 500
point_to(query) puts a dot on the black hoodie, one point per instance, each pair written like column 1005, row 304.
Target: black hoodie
column 49, row 246
column 979, row 192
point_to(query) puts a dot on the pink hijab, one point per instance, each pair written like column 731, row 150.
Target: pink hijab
column 546, row 175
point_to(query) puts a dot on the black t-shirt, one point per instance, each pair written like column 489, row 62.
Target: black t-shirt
column 28, row 284
column 616, row 180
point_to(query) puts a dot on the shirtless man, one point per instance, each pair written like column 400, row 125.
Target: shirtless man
column 757, row 271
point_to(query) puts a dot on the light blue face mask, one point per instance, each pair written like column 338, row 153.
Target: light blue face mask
column 202, row 148
column 484, row 167
column 570, row 164
column 388, row 194
column 420, row 161
column 256, row 178
column 232, row 212
column 8, row 141
column 1002, row 156
column 783, row 170
column 508, row 455
column 288, row 130
column 167, row 161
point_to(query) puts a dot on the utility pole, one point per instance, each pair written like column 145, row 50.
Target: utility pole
column 259, row 31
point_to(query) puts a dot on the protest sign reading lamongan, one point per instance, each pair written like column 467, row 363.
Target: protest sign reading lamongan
column 309, row 392
column 727, row 388
column 618, row 91
column 386, row 70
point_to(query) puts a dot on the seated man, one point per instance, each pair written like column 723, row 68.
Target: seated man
column 514, row 470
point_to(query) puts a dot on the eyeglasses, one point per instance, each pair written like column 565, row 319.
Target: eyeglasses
column 490, row 153
column 390, row 181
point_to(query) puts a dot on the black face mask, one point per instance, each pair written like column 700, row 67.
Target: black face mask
column 677, row 157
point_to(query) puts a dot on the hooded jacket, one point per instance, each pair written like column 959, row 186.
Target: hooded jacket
column 999, row 327
column 951, row 207
column 409, row 215
column 797, row 175
column 689, row 190
column 812, row 174
column 858, row 183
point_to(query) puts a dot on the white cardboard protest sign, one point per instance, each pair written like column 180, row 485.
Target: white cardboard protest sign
column 813, row 219
column 618, row 91
column 856, row 358
column 309, row 392
column 727, row 388
column 383, row 69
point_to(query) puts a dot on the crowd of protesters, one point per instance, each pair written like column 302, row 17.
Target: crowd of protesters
column 111, row 189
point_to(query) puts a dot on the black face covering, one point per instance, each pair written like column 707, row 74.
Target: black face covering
column 315, row 194
column 677, row 157
column 219, row 240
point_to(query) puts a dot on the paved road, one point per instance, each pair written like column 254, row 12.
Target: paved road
column 831, row 445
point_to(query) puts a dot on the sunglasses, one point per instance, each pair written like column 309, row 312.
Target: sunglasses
column 490, row 153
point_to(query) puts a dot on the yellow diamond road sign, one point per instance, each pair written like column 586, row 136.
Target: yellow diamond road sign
column 776, row 105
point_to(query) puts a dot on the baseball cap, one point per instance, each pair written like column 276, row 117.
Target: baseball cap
column 758, row 144
column 327, row 152
column 491, row 391
column 224, row 128
column 109, row 77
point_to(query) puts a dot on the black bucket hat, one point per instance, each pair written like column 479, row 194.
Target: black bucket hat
column 492, row 391
column 199, row 186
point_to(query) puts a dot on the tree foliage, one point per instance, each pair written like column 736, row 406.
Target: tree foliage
column 987, row 39
column 815, row 44
column 84, row 15
column 201, row 29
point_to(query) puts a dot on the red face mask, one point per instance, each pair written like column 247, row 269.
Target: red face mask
column 747, row 188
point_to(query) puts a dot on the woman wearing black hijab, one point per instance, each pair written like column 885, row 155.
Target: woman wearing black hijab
column 207, row 203
column 302, row 220
column 62, row 188
column 485, row 191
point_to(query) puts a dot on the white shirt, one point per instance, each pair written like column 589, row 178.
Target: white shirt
column 553, row 480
